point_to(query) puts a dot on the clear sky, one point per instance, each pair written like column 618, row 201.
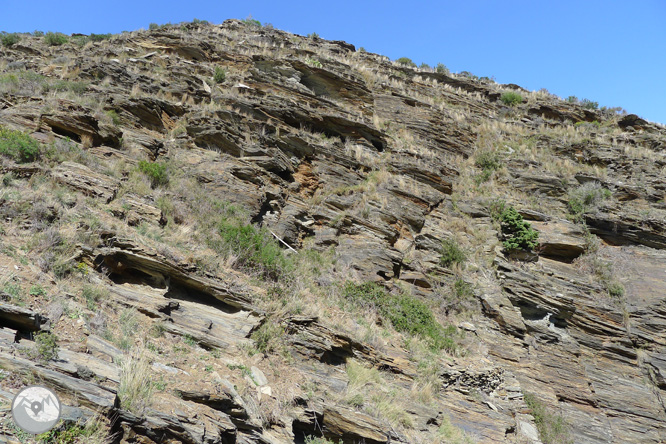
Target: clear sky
column 609, row 51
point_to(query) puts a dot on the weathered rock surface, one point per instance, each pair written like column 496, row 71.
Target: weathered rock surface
column 345, row 153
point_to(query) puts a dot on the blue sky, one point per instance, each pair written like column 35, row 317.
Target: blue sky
column 612, row 52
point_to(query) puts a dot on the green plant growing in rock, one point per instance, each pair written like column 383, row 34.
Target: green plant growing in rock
column 268, row 337
column 552, row 428
column 156, row 172
column 511, row 98
column 488, row 161
column 220, row 75
column 19, row 146
column 451, row 253
column 585, row 198
column 518, row 234
column 442, row 69
column 406, row 61
column 90, row 431
column 589, row 104
column 313, row 36
column 55, row 38
column 10, row 39
column 406, row 313
column 254, row 248
column 252, row 22
column 314, row 62
column 46, row 344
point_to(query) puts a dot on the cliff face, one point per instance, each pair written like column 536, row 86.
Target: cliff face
column 131, row 234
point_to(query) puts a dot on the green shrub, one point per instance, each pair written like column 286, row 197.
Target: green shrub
column 38, row 33
column 518, row 234
column 252, row 22
column 488, row 161
column 552, row 428
column 55, row 38
column 254, row 248
column 406, row 61
column 406, row 313
column 572, row 99
column 267, row 338
column 615, row 290
column 442, row 69
column 153, row 26
column 157, row 172
column 451, row 253
column 99, row 37
column 113, row 114
column 19, row 146
column 589, row 104
column 314, row 62
column 585, row 198
column 220, row 75
column 47, row 346
column 313, row 35
column 511, row 98
column 10, row 39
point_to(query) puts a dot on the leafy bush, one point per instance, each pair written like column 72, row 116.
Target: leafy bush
column 511, row 98
column 10, row 39
column 38, row 33
column 518, row 234
column 157, row 172
column 572, row 99
column 55, row 38
column 424, row 66
column 313, row 35
column 406, row 313
column 406, row 61
column 314, row 62
column 552, row 428
column 589, row 104
column 47, row 346
column 153, row 26
column 442, row 69
column 451, row 253
column 220, row 75
column 19, row 146
column 254, row 248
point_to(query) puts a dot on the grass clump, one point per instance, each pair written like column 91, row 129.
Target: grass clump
column 511, row 98
column 451, row 253
column 488, row 161
column 47, row 346
column 252, row 22
column 553, row 429
column 219, row 75
column 19, row 146
column 156, row 172
column 406, row 313
column 10, row 39
column 135, row 388
column 268, row 337
column 518, row 234
column 55, row 38
column 585, row 198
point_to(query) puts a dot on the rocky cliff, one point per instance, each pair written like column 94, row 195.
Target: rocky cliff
column 233, row 234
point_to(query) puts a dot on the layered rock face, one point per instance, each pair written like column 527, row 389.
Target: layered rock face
column 118, row 239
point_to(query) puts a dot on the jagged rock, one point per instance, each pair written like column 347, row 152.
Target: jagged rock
column 353, row 426
column 20, row 318
column 560, row 239
column 82, row 178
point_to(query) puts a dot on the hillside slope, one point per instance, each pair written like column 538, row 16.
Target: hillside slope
column 239, row 235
